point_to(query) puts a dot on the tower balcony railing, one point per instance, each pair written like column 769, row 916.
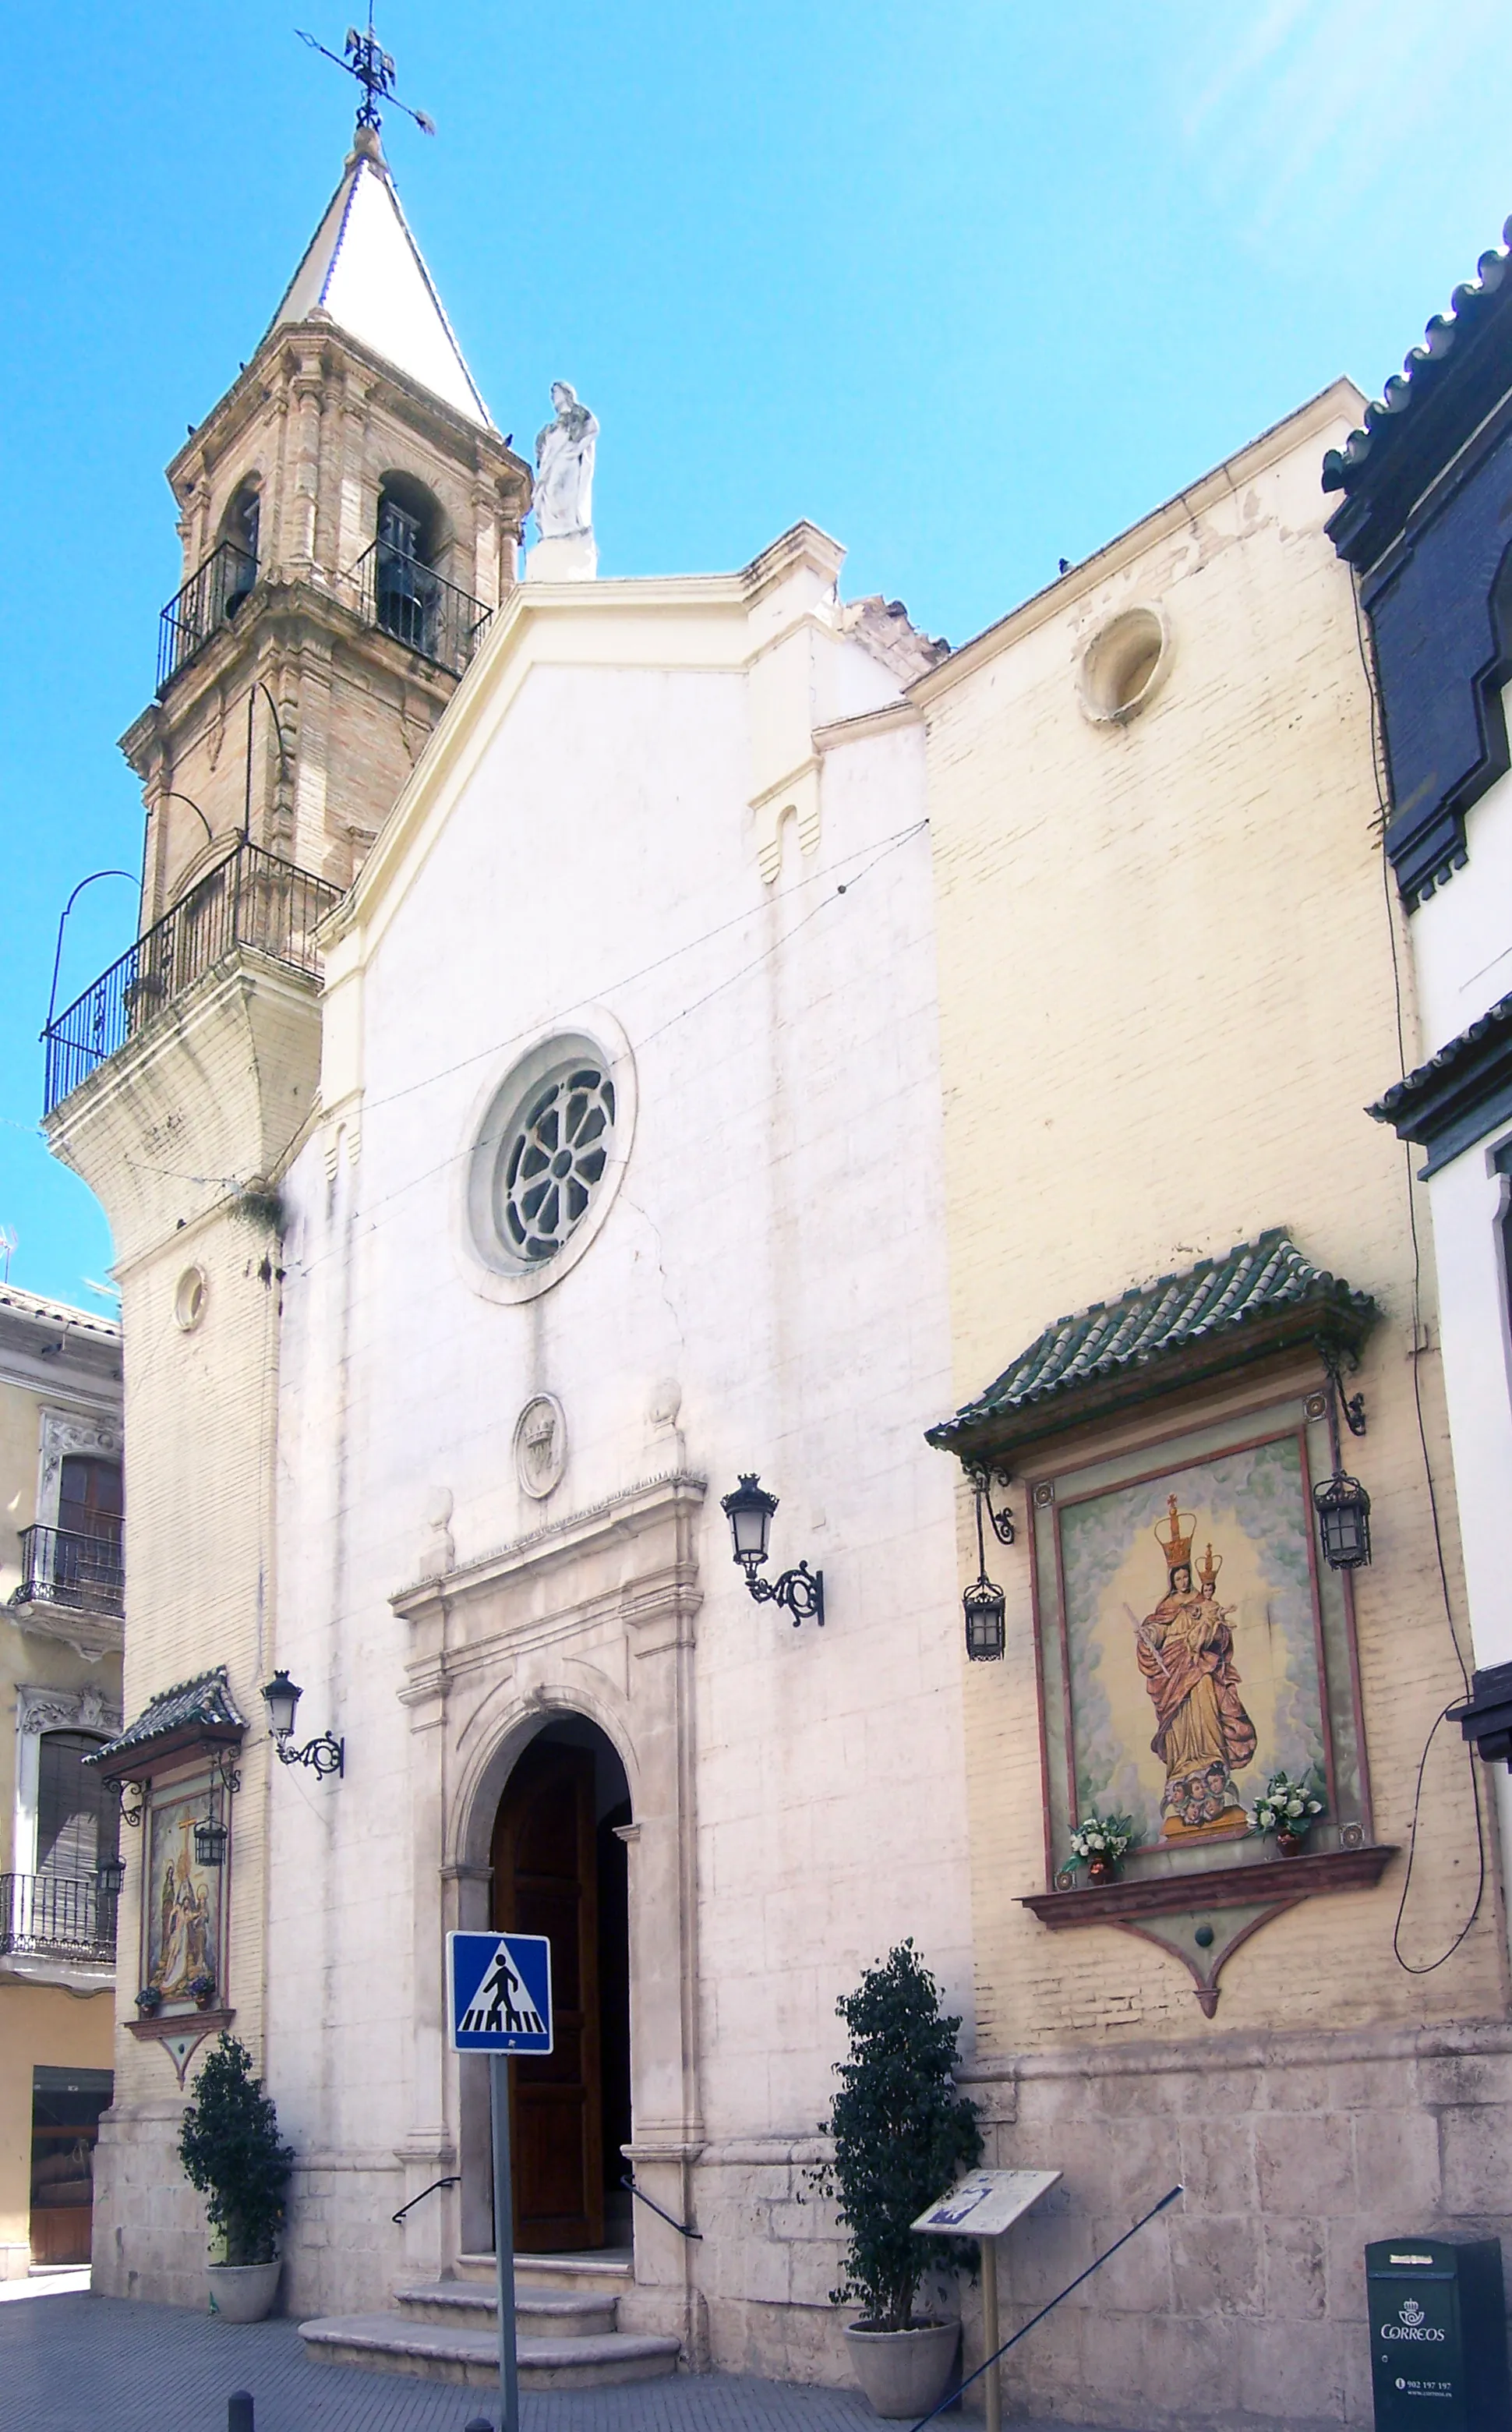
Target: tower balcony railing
column 419, row 607
column 64, row 1566
column 56, row 1917
column 208, row 600
column 252, row 898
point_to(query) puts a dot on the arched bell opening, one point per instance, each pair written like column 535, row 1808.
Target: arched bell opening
column 560, row 1868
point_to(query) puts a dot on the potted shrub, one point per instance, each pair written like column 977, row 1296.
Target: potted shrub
column 229, row 2148
column 903, row 2136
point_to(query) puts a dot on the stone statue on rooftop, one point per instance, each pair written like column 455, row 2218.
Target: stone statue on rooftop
column 565, row 468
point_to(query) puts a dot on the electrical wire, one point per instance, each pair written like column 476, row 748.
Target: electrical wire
column 1412, row 1966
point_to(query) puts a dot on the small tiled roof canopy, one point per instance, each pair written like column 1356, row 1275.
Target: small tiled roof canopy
column 201, row 1712
column 1264, row 1296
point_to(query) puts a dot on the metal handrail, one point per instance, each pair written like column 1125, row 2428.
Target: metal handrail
column 73, row 1567
column 454, row 2181
column 252, row 898
column 208, row 600
column 419, row 607
column 65, row 1916
column 681, row 2226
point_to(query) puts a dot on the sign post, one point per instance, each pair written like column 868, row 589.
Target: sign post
column 983, row 2205
column 498, row 1998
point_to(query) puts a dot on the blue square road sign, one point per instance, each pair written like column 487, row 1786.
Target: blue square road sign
column 498, row 1992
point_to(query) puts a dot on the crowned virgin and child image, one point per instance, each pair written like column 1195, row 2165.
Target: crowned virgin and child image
column 1185, row 1648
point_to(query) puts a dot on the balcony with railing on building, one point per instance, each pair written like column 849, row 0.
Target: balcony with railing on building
column 402, row 594
column 77, row 1568
column 57, row 1917
column 252, row 899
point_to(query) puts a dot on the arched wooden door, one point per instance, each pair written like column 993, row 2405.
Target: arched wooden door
column 545, row 1881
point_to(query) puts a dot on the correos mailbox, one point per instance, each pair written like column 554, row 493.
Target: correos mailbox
column 1437, row 2335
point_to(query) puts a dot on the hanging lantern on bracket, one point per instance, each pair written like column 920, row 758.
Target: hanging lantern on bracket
column 984, row 1603
column 1343, row 1509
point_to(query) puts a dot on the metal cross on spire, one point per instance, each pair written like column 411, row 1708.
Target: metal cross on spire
column 373, row 67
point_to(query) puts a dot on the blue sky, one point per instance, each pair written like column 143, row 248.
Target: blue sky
column 974, row 287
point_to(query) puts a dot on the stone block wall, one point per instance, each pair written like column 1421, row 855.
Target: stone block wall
column 1243, row 2306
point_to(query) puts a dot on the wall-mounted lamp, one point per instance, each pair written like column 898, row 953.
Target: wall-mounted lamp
column 210, row 1836
column 109, row 1875
column 984, row 1603
column 325, row 1755
column 1343, row 1509
column 750, row 1510
column 1341, row 1502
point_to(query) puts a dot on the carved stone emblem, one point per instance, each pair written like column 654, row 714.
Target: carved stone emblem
column 541, row 1445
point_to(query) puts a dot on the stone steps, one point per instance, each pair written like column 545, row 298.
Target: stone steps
column 457, row 2353
column 538, row 2312
column 564, row 2325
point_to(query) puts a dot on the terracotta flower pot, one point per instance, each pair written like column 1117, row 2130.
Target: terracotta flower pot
column 1102, row 1870
column 903, row 2373
column 1290, row 1845
column 243, row 2292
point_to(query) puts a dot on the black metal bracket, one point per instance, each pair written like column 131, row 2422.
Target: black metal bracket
column 455, row 2181
column 800, row 1592
column 984, row 1476
column 681, row 2226
column 1351, row 1405
column 326, row 1755
column 131, row 1816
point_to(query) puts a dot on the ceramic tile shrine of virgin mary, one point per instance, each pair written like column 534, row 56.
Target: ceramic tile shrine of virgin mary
column 1185, row 1649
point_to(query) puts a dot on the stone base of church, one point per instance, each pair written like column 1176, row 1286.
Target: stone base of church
column 149, row 2234
column 1243, row 2306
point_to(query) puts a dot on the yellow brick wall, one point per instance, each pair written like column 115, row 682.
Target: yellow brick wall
column 1166, row 996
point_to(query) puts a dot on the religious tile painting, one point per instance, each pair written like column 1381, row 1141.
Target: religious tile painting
column 1192, row 1644
column 181, row 1900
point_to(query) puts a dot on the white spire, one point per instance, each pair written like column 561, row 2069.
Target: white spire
column 364, row 269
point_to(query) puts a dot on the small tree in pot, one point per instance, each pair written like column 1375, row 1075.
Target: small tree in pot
column 902, row 2134
column 229, row 2147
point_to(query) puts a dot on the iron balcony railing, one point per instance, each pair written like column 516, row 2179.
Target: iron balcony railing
column 419, row 607
column 57, row 1917
column 210, row 598
column 252, row 898
column 61, row 1566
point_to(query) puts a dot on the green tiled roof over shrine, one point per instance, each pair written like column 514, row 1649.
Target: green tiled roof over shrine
column 1260, row 1298
column 198, row 1710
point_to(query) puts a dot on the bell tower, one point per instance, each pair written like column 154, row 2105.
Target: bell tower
column 350, row 519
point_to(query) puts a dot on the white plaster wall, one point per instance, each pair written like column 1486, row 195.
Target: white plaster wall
column 1462, row 936
column 777, row 1246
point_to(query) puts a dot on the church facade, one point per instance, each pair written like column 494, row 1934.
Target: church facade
column 663, row 1034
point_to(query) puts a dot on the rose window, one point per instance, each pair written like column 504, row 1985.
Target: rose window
column 552, row 1159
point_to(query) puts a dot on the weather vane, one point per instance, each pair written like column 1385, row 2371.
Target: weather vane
column 371, row 64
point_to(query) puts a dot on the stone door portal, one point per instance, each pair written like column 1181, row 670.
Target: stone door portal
column 545, row 1881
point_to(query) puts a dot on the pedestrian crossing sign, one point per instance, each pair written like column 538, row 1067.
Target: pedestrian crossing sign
column 498, row 1988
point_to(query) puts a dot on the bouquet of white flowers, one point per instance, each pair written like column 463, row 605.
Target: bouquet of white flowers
column 1105, row 1837
column 1286, row 1806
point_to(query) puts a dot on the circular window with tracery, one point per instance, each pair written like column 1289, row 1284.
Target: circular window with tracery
column 545, row 1160
column 553, row 1160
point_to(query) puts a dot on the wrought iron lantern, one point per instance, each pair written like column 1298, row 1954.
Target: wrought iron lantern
column 109, row 1875
column 750, row 1510
column 325, row 1755
column 1343, row 1509
column 984, row 1603
column 211, row 1837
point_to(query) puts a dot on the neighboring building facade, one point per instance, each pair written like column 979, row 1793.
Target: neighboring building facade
column 61, row 1618
column 1166, row 1000
column 1421, row 523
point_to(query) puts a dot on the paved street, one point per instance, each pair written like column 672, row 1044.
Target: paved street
column 70, row 2362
